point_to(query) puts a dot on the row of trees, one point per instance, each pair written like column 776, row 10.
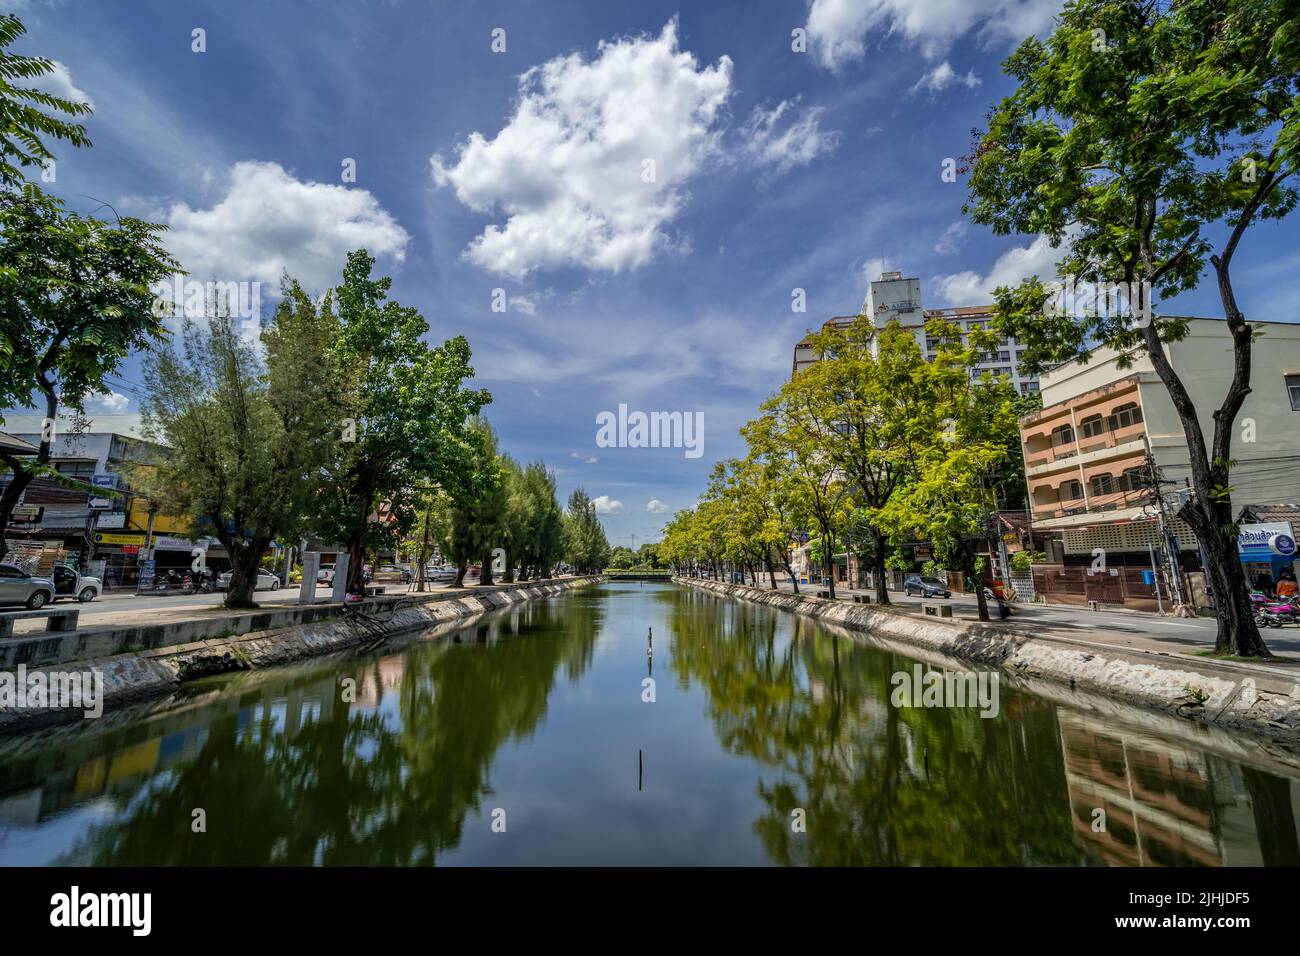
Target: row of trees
column 513, row 510
column 870, row 449
column 336, row 419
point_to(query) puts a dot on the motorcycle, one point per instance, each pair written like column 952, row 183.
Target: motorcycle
column 1277, row 614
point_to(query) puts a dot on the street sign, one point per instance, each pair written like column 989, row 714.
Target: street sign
column 96, row 503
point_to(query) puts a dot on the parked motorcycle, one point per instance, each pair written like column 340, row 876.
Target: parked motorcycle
column 1277, row 614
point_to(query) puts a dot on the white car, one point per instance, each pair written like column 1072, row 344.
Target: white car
column 439, row 575
column 266, row 581
column 325, row 574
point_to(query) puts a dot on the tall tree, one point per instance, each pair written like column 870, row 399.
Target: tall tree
column 479, row 507
column 74, row 301
column 405, row 418
column 1151, row 136
column 247, row 440
column 586, row 547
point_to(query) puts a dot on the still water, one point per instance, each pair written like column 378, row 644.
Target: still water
column 525, row 738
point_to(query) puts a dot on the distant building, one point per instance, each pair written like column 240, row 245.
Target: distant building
column 108, row 532
column 895, row 298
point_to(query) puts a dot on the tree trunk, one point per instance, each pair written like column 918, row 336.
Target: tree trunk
column 882, row 590
column 771, row 573
column 980, row 600
column 1237, row 631
column 461, row 567
column 828, row 546
column 244, row 561
column 485, row 575
column 9, row 500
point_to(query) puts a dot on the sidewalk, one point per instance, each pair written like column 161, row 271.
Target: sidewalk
column 1128, row 630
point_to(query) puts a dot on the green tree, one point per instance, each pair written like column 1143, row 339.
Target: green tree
column 247, row 440
column 586, row 547
column 958, row 444
column 24, row 124
column 404, row 420
column 541, row 545
column 74, row 301
column 479, row 513
column 1151, row 136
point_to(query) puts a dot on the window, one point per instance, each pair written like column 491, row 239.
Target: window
column 1102, row 484
column 1092, row 426
column 1126, row 415
column 1133, row 479
column 1293, row 391
column 1071, row 490
column 1062, row 435
column 1029, row 386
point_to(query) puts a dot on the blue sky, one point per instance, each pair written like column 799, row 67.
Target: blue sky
column 525, row 171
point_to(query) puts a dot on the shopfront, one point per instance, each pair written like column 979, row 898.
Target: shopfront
column 1266, row 548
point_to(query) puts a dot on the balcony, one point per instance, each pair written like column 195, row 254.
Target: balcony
column 1091, row 451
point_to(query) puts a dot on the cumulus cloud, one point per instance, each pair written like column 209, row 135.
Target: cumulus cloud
column 875, row 266
column 59, row 83
column 268, row 222
column 108, row 403
column 592, row 166
column 970, row 288
column 837, row 29
column 783, row 138
column 605, row 505
column 944, row 76
column 656, row 507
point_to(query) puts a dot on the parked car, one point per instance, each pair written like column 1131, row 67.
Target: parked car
column 439, row 575
column 393, row 572
column 19, row 587
column 266, row 581
column 925, row 586
column 325, row 574
column 69, row 584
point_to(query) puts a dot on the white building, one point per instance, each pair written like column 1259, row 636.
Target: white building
column 894, row 298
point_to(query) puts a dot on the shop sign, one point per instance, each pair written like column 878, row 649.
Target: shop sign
column 111, row 519
column 26, row 514
column 1263, row 540
column 119, row 538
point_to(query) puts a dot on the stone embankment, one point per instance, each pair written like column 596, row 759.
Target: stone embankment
column 1251, row 697
column 173, row 658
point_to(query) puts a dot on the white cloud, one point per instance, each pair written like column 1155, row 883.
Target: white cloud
column 605, row 505
column 108, row 403
column 586, row 459
column 268, row 222
column 943, row 76
column 656, row 507
column 875, row 266
column 59, row 83
column 568, row 169
column 779, row 140
column 971, row 288
column 953, row 238
column 838, row 29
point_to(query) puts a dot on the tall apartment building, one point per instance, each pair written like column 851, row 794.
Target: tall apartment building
column 893, row 297
column 1104, row 433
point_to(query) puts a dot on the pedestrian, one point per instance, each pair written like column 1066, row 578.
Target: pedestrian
column 1264, row 584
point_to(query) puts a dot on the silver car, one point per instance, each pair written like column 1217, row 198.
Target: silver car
column 19, row 587
column 266, row 581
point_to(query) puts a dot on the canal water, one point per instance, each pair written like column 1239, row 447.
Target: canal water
column 527, row 737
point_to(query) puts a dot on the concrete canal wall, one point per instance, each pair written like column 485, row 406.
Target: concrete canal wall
column 135, row 663
column 1225, row 694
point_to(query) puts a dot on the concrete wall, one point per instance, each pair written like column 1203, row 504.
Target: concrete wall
column 180, row 652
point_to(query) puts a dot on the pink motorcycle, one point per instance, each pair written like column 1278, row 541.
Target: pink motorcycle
column 1276, row 613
